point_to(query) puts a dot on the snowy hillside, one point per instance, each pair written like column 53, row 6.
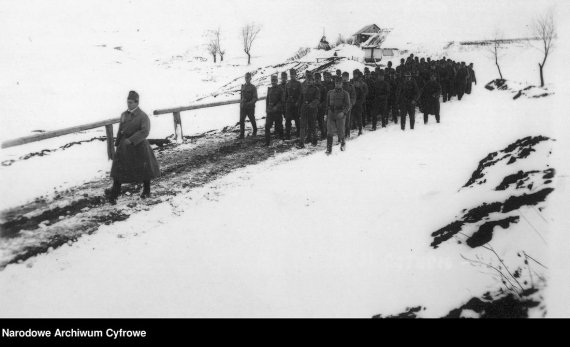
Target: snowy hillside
column 394, row 222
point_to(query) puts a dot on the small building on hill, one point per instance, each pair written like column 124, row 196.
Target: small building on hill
column 373, row 48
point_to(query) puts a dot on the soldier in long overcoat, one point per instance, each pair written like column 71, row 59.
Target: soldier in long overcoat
column 408, row 96
column 430, row 98
column 338, row 105
column 134, row 160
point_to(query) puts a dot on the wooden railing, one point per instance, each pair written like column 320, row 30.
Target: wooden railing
column 108, row 124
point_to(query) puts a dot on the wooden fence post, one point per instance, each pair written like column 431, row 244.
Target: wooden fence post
column 110, row 142
column 177, row 127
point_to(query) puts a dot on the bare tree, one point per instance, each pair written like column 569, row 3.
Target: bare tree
column 212, row 49
column 221, row 52
column 249, row 33
column 545, row 30
column 496, row 47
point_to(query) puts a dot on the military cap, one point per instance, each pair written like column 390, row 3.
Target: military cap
column 284, row 73
column 366, row 69
column 293, row 71
column 274, row 77
column 133, row 96
column 345, row 74
column 317, row 75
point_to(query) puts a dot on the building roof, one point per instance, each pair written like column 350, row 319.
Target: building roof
column 374, row 41
column 371, row 28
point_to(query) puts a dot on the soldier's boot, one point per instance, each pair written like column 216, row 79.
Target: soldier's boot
column 114, row 193
column 146, row 190
column 359, row 130
column 425, row 118
column 437, row 118
column 300, row 144
column 267, row 137
column 342, row 145
column 329, row 145
column 314, row 140
column 412, row 122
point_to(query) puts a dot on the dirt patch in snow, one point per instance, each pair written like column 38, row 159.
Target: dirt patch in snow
column 478, row 218
column 518, row 89
column 490, row 305
column 519, row 149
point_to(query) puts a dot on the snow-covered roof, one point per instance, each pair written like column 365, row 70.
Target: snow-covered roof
column 374, row 41
column 369, row 29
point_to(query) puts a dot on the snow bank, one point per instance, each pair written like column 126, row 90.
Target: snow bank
column 350, row 244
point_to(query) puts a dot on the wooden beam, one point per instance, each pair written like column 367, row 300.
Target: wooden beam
column 199, row 106
column 49, row 134
column 66, row 131
column 110, row 142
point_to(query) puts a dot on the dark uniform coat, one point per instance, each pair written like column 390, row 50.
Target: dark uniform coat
column 135, row 162
column 430, row 97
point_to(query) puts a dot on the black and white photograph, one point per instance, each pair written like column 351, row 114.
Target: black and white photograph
column 284, row 159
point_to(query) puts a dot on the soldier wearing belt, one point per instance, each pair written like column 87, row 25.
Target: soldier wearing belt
column 292, row 96
column 274, row 110
column 247, row 105
column 338, row 105
column 309, row 107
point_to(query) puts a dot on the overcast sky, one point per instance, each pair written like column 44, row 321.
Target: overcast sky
column 287, row 25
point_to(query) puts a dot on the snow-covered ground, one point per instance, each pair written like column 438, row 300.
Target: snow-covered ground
column 314, row 236
column 346, row 235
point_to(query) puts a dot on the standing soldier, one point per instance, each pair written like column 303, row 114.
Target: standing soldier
column 408, row 95
column 392, row 100
column 402, row 67
column 283, row 86
column 322, row 105
column 389, row 70
column 309, row 108
column 348, row 87
column 450, row 78
column 134, row 160
column 443, row 80
column 461, row 80
column 247, row 105
column 367, row 116
column 338, row 105
column 329, row 83
column 381, row 94
column 430, row 98
column 274, row 110
column 358, row 108
column 472, row 78
column 293, row 96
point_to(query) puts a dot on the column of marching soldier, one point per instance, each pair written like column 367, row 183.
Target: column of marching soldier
column 337, row 104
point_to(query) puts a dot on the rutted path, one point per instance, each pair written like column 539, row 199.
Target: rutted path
column 49, row 222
